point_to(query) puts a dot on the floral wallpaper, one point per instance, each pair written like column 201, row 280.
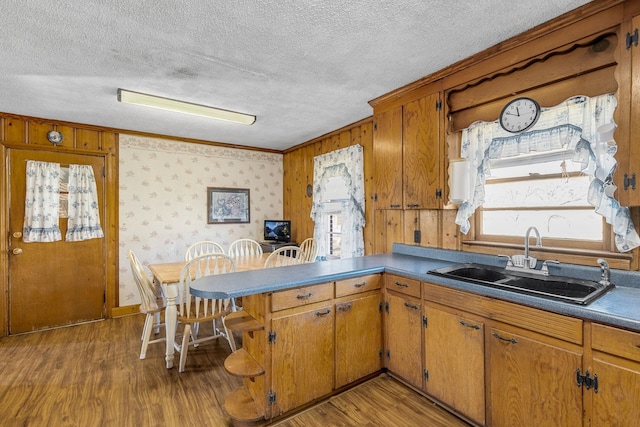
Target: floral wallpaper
column 163, row 198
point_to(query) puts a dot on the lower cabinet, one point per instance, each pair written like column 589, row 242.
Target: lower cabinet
column 303, row 358
column 615, row 372
column 301, row 344
column 403, row 338
column 533, row 383
column 358, row 337
column 454, row 360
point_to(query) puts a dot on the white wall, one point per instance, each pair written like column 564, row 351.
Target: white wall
column 163, row 198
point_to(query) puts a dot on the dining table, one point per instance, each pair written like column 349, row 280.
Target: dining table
column 167, row 275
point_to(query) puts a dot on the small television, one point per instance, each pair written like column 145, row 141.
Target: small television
column 277, row 230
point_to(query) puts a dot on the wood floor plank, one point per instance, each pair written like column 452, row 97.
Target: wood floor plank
column 91, row 375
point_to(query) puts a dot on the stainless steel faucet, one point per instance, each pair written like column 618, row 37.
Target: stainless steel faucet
column 526, row 244
column 605, row 273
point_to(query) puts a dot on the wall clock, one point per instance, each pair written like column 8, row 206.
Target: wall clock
column 54, row 137
column 519, row 115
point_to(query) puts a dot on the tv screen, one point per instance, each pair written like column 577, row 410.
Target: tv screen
column 278, row 230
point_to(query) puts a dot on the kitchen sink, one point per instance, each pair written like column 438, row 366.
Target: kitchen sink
column 576, row 291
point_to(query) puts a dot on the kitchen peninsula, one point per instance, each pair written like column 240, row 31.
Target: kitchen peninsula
column 295, row 348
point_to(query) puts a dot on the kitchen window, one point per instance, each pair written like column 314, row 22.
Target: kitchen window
column 547, row 191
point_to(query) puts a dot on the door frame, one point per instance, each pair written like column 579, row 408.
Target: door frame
column 110, row 227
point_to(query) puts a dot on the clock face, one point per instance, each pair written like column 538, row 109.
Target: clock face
column 519, row 115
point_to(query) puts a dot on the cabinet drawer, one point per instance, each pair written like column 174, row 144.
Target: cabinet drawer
column 358, row 285
column 301, row 296
column 616, row 341
column 402, row 284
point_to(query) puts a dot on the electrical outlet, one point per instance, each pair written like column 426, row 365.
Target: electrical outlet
column 416, row 236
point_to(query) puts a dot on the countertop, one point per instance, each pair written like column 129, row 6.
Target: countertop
column 619, row 307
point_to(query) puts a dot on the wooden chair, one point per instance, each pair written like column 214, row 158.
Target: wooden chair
column 152, row 303
column 245, row 247
column 201, row 248
column 194, row 310
column 310, row 249
column 286, row 255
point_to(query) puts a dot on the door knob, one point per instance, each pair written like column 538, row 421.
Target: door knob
column 17, row 234
column 17, row 251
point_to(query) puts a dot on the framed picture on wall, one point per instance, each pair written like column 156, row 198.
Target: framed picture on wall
column 227, row 205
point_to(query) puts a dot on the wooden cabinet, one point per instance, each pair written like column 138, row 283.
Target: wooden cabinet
column 358, row 338
column 358, row 328
column 533, row 382
column 407, row 155
column 627, row 175
column 302, row 351
column 387, row 158
column 301, row 344
column 421, row 154
column 403, row 329
column 616, row 366
column 454, row 360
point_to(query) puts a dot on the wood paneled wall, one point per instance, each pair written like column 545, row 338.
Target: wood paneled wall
column 19, row 131
column 298, row 177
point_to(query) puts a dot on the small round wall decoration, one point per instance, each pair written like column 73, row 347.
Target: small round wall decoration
column 54, row 137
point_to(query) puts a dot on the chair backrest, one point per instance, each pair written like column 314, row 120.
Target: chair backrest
column 245, row 247
column 286, row 255
column 202, row 248
column 204, row 265
column 310, row 248
column 149, row 291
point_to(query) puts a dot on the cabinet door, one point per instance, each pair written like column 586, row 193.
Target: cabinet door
column 628, row 155
column 303, row 357
column 533, row 383
column 404, row 338
column 358, row 338
column 421, row 154
column 387, row 158
column 616, row 402
column 454, row 362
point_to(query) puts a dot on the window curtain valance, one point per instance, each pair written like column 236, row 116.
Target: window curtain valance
column 42, row 203
column 346, row 163
column 581, row 124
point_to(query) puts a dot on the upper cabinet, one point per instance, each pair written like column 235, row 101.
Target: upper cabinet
column 627, row 175
column 408, row 155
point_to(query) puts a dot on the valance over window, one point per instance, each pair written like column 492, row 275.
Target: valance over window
column 582, row 124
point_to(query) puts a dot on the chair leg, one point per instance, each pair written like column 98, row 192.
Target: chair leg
column 157, row 322
column 185, row 347
column 146, row 334
column 228, row 335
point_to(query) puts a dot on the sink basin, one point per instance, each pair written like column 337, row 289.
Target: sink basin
column 576, row 291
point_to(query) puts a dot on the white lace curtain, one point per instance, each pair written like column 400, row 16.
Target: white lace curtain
column 579, row 124
column 42, row 203
column 346, row 164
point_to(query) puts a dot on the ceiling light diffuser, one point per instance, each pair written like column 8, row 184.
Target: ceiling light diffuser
column 138, row 98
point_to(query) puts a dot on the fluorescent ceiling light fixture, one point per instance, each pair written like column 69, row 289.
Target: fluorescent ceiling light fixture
column 138, row 98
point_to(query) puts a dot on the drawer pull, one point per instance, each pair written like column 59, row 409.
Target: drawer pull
column 305, row 296
column 359, row 285
column 511, row 340
column 402, row 285
column 323, row 313
column 467, row 325
column 411, row 306
column 344, row 307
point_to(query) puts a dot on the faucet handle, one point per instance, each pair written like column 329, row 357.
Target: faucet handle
column 545, row 267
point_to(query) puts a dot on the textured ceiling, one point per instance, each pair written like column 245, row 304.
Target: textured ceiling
column 303, row 67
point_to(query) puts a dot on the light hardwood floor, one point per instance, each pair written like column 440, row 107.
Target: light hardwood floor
column 90, row 375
